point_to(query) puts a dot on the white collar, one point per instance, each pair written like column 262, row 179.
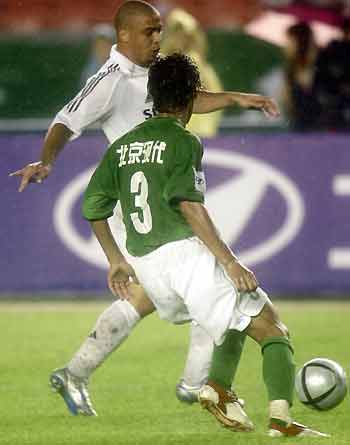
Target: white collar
column 126, row 63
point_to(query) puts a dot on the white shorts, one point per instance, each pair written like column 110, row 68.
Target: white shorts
column 185, row 282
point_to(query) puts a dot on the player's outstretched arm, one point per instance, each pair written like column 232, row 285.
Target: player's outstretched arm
column 36, row 172
column 198, row 218
column 207, row 101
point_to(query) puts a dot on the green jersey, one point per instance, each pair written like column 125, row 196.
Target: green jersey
column 150, row 170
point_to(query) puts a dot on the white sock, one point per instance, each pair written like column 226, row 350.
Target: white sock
column 279, row 409
column 112, row 327
column 199, row 357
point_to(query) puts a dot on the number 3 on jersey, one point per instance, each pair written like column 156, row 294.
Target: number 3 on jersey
column 139, row 187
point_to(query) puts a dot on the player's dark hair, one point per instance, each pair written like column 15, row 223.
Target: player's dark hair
column 173, row 82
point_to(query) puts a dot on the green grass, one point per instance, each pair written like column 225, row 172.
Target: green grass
column 134, row 390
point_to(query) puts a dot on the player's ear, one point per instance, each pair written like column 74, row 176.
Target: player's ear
column 124, row 36
column 189, row 110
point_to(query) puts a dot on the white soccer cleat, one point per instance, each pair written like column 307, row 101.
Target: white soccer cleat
column 294, row 429
column 74, row 392
column 225, row 407
column 186, row 393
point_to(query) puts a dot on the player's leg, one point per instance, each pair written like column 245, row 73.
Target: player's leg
column 197, row 365
column 199, row 359
column 220, row 376
column 112, row 327
column 278, row 372
column 225, row 362
column 229, row 353
column 278, row 364
column 210, row 299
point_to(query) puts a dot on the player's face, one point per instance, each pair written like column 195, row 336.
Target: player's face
column 144, row 38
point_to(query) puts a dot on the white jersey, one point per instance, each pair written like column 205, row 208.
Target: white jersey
column 115, row 97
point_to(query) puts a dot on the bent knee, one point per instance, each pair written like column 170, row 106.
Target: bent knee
column 261, row 334
column 284, row 329
column 267, row 324
column 139, row 299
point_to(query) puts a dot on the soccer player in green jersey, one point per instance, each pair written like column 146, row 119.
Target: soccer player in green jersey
column 176, row 253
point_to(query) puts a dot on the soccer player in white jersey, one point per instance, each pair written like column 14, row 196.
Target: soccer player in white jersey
column 116, row 97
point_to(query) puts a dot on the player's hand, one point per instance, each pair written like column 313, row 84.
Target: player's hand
column 35, row 172
column 242, row 277
column 263, row 103
column 120, row 276
column 270, row 108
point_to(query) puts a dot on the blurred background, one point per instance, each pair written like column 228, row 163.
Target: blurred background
column 279, row 189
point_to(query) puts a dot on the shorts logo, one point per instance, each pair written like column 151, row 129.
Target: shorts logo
column 251, row 194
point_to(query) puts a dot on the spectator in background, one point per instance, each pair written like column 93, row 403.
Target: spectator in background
column 301, row 53
column 183, row 34
column 102, row 39
column 332, row 82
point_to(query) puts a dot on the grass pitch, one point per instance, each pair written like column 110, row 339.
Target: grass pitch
column 133, row 391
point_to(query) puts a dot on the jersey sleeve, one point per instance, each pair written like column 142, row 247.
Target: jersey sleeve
column 92, row 104
column 102, row 193
column 186, row 181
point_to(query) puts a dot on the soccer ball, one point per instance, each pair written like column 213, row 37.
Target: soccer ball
column 321, row 384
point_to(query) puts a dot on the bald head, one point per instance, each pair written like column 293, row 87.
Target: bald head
column 138, row 27
column 130, row 10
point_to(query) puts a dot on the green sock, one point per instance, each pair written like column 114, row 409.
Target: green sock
column 278, row 368
column 226, row 359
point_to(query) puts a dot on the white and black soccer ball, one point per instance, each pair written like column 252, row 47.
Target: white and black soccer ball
column 321, row 384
